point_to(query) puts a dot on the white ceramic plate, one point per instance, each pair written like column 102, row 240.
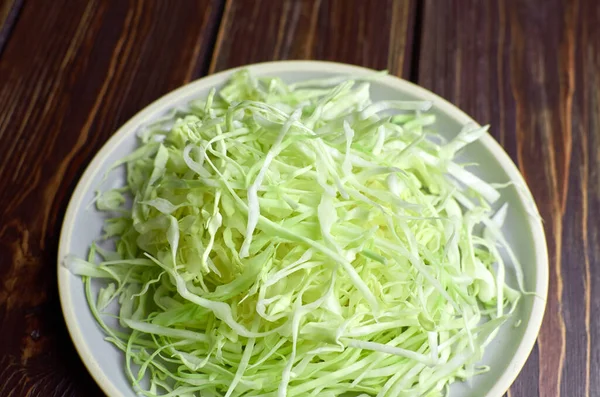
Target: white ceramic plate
column 507, row 353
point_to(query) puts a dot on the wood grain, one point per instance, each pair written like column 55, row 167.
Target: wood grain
column 9, row 10
column 586, row 181
column 376, row 34
column 529, row 69
column 70, row 74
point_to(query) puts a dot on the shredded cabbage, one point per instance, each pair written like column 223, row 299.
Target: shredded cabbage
column 299, row 240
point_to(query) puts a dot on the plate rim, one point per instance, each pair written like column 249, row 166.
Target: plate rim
column 501, row 385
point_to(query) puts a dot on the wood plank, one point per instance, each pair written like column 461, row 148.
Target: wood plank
column 70, row 75
column 529, row 68
column 9, row 10
column 584, row 205
column 376, row 34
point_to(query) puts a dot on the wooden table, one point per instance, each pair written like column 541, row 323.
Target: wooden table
column 71, row 72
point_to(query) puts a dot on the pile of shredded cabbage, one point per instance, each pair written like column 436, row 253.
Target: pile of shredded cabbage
column 299, row 240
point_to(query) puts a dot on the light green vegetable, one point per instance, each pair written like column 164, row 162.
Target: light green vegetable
column 277, row 240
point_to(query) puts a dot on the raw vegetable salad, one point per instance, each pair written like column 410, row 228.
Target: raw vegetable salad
column 280, row 239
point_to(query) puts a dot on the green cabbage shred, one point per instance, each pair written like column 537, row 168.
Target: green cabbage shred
column 299, row 240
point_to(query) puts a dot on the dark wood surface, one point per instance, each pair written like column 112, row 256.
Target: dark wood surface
column 71, row 72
